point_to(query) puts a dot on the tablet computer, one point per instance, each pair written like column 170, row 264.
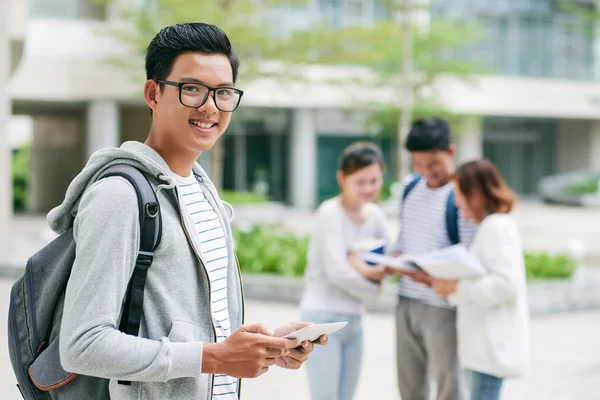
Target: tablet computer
column 314, row 331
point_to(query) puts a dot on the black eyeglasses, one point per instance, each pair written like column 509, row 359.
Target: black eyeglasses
column 194, row 95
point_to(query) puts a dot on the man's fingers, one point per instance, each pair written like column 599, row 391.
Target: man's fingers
column 292, row 363
column 308, row 346
column 322, row 340
column 276, row 353
column 279, row 343
column 256, row 328
column 271, row 361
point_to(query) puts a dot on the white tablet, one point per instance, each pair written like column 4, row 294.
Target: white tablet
column 314, row 331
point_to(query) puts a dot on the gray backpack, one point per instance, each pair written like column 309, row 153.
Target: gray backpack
column 37, row 300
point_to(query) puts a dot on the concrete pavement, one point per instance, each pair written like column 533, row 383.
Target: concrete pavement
column 565, row 358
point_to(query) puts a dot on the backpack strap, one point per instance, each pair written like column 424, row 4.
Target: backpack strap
column 451, row 211
column 411, row 185
column 452, row 219
column 150, row 235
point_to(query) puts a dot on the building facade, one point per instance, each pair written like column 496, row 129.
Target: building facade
column 539, row 104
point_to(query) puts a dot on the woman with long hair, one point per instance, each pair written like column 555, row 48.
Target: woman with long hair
column 492, row 311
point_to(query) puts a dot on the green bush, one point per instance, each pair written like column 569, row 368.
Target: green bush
column 20, row 177
column 233, row 197
column 267, row 249
column 589, row 186
column 386, row 190
column 548, row 266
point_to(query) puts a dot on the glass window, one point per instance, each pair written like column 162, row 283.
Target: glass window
column 84, row 9
column 330, row 11
column 353, row 12
column 526, row 37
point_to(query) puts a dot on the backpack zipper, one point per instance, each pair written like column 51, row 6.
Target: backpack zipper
column 207, row 280
column 13, row 315
column 29, row 273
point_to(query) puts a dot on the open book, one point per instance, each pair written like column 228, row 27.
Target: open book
column 453, row 262
column 370, row 245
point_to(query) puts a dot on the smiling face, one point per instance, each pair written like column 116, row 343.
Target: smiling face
column 435, row 165
column 362, row 186
column 191, row 130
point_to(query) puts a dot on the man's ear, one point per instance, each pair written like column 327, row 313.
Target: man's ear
column 151, row 94
column 452, row 150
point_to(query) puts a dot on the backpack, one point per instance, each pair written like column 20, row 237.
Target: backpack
column 451, row 211
column 37, row 300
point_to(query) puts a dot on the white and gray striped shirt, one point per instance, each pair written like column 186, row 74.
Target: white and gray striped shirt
column 422, row 230
column 214, row 251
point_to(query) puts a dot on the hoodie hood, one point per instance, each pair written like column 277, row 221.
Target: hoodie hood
column 137, row 154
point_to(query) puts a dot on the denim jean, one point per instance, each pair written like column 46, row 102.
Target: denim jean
column 484, row 386
column 333, row 370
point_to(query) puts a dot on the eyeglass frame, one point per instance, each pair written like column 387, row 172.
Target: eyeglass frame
column 180, row 85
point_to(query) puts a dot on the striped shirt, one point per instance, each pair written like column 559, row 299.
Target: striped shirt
column 422, row 230
column 214, row 251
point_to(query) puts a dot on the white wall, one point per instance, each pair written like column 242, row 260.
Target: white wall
column 103, row 126
column 573, row 145
column 5, row 153
column 303, row 145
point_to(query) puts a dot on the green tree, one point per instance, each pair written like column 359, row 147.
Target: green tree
column 258, row 34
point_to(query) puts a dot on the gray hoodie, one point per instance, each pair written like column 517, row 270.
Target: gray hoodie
column 165, row 361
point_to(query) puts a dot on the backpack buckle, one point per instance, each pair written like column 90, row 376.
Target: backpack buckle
column 152, row 209
column 144, row 260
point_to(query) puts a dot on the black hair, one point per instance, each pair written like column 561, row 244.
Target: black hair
column 429, row 134
column 173, row 40
column 360, row 155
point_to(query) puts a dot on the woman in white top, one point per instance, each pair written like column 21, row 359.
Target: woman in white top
column 338, row 284
column 492, row 311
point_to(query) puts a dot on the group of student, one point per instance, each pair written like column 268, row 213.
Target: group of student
column 192, row 341
column 466, row 335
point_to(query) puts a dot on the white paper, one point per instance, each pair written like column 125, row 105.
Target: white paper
column 453, row 262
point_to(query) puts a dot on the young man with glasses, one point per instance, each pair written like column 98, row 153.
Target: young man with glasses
column 191, row 342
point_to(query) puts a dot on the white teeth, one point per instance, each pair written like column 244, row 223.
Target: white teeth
column 203, row 125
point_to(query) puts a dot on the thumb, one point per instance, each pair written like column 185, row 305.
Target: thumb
column 256, row 328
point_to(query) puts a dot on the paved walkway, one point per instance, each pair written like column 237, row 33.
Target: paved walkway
column 566, row 359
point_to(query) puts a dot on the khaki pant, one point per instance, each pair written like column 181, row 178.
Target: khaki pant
column 426, row 347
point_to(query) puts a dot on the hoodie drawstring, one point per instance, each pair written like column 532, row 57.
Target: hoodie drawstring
column 170, row 183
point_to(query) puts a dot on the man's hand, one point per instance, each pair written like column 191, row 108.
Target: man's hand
column 444, row 287
column 420, row 276
column 247, row 353
column 296, row 357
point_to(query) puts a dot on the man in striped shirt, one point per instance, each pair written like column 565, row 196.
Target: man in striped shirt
column 425, row 322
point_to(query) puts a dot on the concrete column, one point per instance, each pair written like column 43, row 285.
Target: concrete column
column 5, row 151
column 55, row 159
column 240, row 160
column 103, row 126
column 303, row 154
column 596, row 46
column 594, row 146
column 469, row 140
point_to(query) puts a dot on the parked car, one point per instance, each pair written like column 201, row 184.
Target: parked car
column 580, row 188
